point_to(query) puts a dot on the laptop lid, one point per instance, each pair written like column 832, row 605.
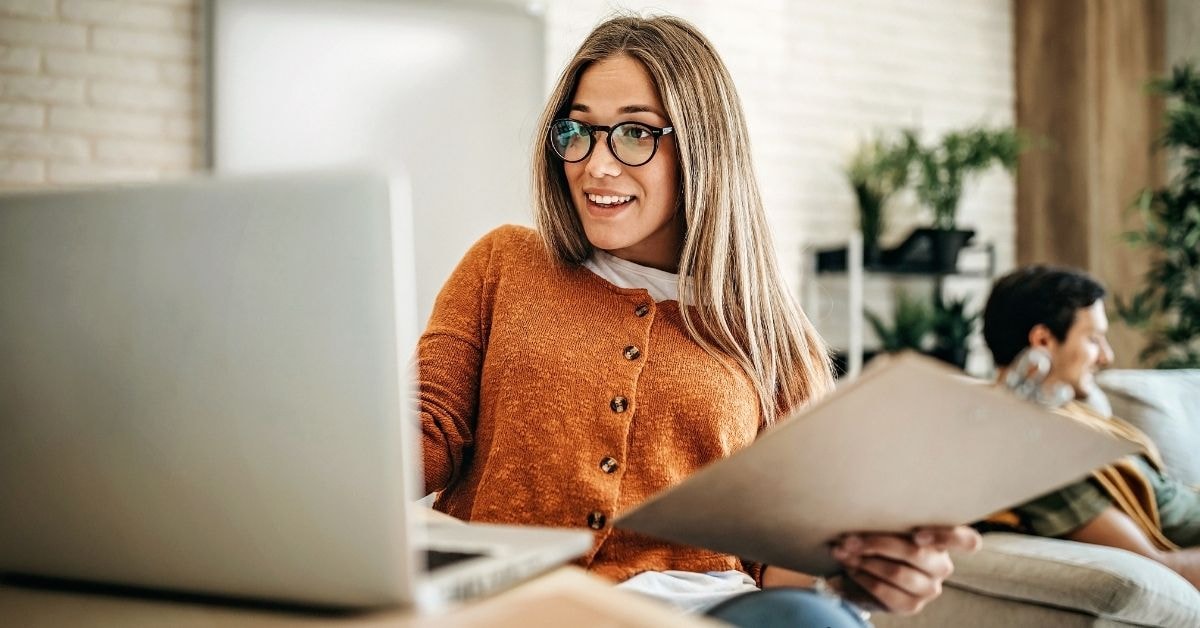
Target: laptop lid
column 202, row 386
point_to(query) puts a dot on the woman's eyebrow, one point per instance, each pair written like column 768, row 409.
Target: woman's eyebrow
column 626, row 109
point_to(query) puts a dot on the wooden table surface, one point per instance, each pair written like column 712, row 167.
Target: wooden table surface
column 567, row 596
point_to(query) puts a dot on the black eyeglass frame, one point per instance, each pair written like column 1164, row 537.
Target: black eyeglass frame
column 656, row 132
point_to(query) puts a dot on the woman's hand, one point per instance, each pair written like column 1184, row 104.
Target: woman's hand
column 899, row 573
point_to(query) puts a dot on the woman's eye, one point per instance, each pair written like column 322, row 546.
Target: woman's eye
column 636, row 132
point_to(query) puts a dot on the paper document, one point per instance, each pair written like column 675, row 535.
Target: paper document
column 907, row 444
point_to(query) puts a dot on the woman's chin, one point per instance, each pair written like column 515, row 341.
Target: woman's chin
column 605, row 239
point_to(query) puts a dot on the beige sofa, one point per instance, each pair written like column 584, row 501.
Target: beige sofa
column 1018, row 580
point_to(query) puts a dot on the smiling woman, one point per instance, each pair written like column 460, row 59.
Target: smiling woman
column 640, row 334
column 696, row 209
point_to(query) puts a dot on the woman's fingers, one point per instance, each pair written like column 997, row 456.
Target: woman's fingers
column 903, row 572
column 902, row 576
column 928, row 559
column 889, row 596
column 956, row 538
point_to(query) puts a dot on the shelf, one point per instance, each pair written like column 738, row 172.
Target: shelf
column 980, row 262
column 975, row 263
column 970, row 274
column 924, row 252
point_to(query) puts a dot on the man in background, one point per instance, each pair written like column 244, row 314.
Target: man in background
column 1133, row 504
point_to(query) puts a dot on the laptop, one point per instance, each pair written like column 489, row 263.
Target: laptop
column 204, row 388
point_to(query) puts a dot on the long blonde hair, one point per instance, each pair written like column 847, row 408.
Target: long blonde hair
column 741, row 307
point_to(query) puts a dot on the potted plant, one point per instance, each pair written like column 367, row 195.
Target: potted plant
column 952, row 328
column 939, row 172
column 1167, row 307
column 912, row 320
column 877, row 171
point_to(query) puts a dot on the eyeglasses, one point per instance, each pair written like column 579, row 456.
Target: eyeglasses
column 632, row 143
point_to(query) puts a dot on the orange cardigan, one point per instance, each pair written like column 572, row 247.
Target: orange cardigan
column 552, row 397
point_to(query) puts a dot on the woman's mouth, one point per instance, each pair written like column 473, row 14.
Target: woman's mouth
column 608, row 203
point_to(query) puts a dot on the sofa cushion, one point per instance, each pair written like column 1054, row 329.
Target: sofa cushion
column 1166, row 406
column 1101, row 581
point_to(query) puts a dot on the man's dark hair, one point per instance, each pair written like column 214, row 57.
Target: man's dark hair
column 1033, row 295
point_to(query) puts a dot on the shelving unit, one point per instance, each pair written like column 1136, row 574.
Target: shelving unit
column 822, row 299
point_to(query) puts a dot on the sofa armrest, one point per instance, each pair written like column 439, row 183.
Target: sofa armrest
column 1092, row 579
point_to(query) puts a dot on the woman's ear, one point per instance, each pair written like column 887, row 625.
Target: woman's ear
column 1041, row 337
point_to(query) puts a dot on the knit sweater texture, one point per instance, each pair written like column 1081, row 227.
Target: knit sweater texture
column 549, row 396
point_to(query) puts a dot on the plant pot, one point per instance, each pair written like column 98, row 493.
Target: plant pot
column 928, row 250
column 946, row 245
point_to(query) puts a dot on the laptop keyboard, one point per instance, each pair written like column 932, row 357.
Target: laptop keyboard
column 436, row 559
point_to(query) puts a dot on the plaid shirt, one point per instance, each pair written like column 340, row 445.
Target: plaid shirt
column 1061, row 512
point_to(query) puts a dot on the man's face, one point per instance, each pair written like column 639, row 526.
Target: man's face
column 1085, row 350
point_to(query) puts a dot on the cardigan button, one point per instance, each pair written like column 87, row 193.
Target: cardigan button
column 618, row 404
column 608, row 464
column 641, row 310
column 596, row 520
column 632, row 353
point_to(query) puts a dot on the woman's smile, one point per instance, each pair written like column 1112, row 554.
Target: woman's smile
column 606, row 203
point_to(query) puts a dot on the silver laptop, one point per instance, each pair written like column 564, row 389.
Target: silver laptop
column 203, row 388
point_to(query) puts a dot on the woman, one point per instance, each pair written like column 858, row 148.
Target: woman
column 641, row 332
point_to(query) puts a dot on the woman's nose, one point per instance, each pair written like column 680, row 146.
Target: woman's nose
column 602, row 163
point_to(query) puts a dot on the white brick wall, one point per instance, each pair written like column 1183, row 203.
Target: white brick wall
column 34, row 8
column 15, row 115
column 18, row 59
column 35, row 32
column 1183, row 32
column 99, row 90
column 815, row 77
